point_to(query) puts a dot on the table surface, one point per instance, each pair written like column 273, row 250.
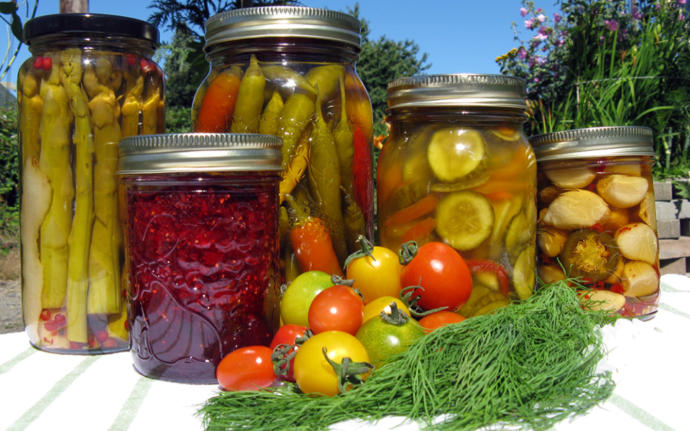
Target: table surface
column 650, row 362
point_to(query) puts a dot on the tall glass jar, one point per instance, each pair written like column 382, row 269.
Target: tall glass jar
column 597, row 217
column 457, row 168
column 290, row 72
column 202, row 249
column 90, row 81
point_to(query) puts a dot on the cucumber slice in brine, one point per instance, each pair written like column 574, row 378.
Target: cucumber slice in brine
column 464, row 219
column 455, row 152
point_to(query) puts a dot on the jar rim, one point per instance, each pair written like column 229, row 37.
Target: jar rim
column 199, row 152
column 457, row 90
column 81, row 24
column 282, row 21
column 604, row 141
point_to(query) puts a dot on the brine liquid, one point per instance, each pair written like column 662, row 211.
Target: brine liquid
column 203, row 273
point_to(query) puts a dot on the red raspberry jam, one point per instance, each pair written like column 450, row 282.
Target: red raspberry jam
column 202, row 254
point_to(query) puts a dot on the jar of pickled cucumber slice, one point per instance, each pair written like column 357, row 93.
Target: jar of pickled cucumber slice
column 596, row 218
column 289, row 71
column 457, row 168
column 90, row 81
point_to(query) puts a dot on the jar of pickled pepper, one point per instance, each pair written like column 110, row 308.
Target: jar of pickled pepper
column 90, row 81
column 290, row 72
column 597, row 218
column 201, row 249
column 457, row 168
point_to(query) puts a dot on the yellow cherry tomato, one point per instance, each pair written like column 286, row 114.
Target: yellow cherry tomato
column 375, row 307
column 313, row 373
column 376, row 275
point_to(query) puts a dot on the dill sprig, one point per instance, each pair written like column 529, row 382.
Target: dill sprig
column 529, row 365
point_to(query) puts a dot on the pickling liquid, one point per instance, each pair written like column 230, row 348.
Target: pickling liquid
column 203, row 272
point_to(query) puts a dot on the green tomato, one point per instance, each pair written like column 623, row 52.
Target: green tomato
column 294, row 305
column 384, row 340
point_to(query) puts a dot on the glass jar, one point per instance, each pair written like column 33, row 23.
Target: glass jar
column 201, row 249
column 89, row 82
column 290, row 72
column 457, row 168
column 597, row 218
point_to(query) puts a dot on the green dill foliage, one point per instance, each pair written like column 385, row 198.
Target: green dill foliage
column 529, row 365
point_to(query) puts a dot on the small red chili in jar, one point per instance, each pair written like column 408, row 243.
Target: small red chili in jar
column 201, row 249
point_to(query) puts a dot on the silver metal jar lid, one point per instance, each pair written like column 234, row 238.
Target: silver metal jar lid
column 472, row 90
column 282, row 21
column 610, row 141
column 199, row 152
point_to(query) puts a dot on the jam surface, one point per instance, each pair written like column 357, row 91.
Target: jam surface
column 203, row 271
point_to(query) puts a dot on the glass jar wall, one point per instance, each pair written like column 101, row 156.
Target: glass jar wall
column 597, row 217
column 90, row 82
column 289, row 72
column 457, row 168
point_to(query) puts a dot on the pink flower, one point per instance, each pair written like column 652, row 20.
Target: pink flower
column 522, row 53
column 557, row 17
column 541, row 17
column 681, row 2
column 611, row 24
column 636, row 14
column 541, row 61
column 529, row 23
column 523, row 11
column 541, row 37
column 544, row 30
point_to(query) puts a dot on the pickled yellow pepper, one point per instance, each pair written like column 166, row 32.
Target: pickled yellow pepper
column 54, row 161
column 326, row 79
column 131, row 107
column 297, row 114
column 80, row 236
column 268, row 125
column 343, row 142
column 324, row 181
column 30, row 116
column 250, row 100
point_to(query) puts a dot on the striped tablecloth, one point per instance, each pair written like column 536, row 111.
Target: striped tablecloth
column 42, row 391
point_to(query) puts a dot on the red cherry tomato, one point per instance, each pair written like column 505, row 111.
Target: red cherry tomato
column 287, row 335
column 337, row 308
column 247, row 368
column 443, row 274
column 438, row 319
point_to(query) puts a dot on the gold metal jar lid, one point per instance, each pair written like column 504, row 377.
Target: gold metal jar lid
column 610, row 141
column 199, row 152
column 457, row 90
column 282, row 21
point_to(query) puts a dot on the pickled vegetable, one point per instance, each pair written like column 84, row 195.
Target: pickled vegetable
column 454, row 153
column 589, row 254
column 464, row 219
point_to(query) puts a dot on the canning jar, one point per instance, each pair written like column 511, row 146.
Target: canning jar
column 597, row 218
column 457, row 168
column 290, row 72
column 89, row 82
column 201, row 249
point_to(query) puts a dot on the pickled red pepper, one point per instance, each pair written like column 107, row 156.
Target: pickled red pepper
column 218, row 103
column 362, row 176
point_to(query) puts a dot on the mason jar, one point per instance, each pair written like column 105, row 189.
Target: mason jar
column 90, row 82
column 201, row 249
column 457, row 168
column 290, row 72
column 597, row 219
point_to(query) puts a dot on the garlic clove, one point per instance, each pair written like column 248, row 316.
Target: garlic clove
column 639, row 279
column 550, row 273
column 551, row 240
column 637, row 241
column 602, row 300
column 647, row 210
column 622, row 191
column 576, row 209
column 571, row 178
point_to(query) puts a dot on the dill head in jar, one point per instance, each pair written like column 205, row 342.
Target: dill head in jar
column 457, row 168
column 597, row 215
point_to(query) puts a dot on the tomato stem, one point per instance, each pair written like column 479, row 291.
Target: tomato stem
column 350, row 374
column 407, row 252
column 366, row 249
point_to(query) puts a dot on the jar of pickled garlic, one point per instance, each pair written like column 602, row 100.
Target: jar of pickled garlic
column 457, row 168
column 597, row 219
column 290, row 72
column 90, row 81
column 201, row 249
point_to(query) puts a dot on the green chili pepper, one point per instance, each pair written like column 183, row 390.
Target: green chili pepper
column 287, row 79
column 324, row 181
column 343, row 142
column 326, row 79
column 269, row 118
column 297, row 113
column 250, row 100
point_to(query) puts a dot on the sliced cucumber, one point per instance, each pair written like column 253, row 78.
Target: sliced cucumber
column 455, row 152
column 518, row 234
column 464, row 219
column 523, row 273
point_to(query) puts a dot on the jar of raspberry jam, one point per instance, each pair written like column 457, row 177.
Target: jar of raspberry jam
column 201, row 249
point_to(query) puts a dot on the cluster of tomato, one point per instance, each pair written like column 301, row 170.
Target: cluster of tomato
column 334, row 332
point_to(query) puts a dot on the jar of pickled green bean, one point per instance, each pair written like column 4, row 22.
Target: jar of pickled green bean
column 290, row 72
column 457, row 168
column 90, row 81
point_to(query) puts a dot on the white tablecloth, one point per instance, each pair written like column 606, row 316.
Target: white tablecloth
column 42, row 391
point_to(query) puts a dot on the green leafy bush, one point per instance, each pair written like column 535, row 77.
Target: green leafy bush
column 9, row 173
column 609, row 62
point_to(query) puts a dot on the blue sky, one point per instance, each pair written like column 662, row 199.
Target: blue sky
column 459, row 36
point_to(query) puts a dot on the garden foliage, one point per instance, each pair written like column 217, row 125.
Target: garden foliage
column 609, row 62
column 9, row 173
